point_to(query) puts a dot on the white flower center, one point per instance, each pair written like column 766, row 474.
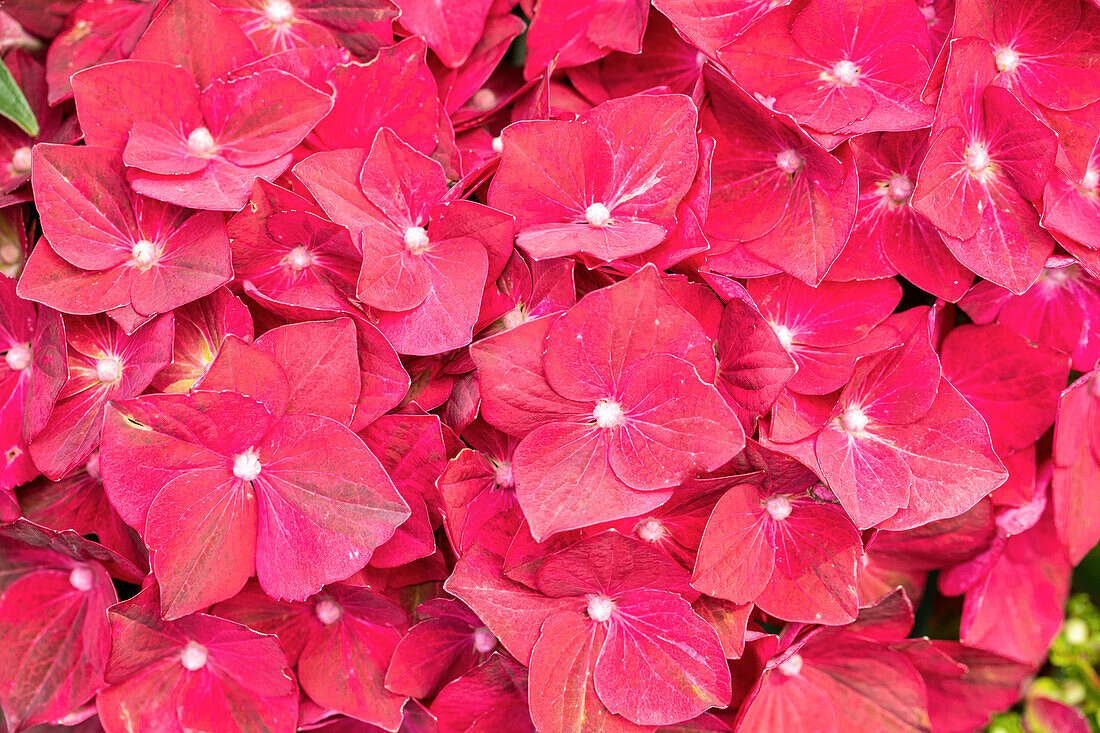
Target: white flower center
column 18, row 357
column 21, row 160
column 200, row 142
column 299, row 258
column 416, row 240
column 484, row 99
column 505, row 479
column 144, row 253
column 853, row 420
column 1091, row 180
column 651, row 530
column 791, row 666
column 82, row 578
column 597, row 215
column 278, row 12
column 608, row 414
column 498, row 145
column 977, row 157
column 900, row 189
column 328, row 611
column 786, row 338
column 1007, row 59
column 246, row 466
column 600, row 608
column 92, row 466
column 845, row 73
column 108, row 369
column 789, row 161
column 484, row 640
column 514, row 317
column 929, row 13
column 193, row 656
column 778, row 508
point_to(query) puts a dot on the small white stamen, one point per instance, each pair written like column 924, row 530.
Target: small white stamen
column 786, row 338
column 278, row 12
column 92, row 466
column 498, row 145
column 108, row 369
column 1007, row 59
column 193, row 656
column 18, row 357
column 791, row 666
column 845, row 73
column 504, row 478
column 597, row 215
column 608, row 414
column 853, row 420
column 246, row 466
column 484, row 99
column 328, row 611
column 651, row 530
column 144, row 253
column 900, row 189
column 514, row 317
column 1091, row 180
column 416, row 240
column 778, row 508
column 200, row 142
column 977, row 157
column 484, row 640
column 82, row 578
column 789, row 161
column 299, row 258
column 21, row 160
column 600, row 608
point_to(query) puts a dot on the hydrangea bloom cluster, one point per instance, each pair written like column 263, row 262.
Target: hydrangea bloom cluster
column 448, row 366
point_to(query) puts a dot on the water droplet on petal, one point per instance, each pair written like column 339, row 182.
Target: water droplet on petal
column 193, row 656
column 246, row 466
column 484, row 640
column 597, row 215
column 18, row 357
column 82, row 578
column 600, row 608
column 608, row 414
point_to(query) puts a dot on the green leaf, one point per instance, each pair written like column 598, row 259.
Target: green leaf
column 13, row 104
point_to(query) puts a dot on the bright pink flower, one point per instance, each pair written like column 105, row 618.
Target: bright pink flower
column 989, row 159
column 780, row 201
column 616, row 635
column 575, row 32
column 108, row 248
column 838, row 68
column 606, row 184
column 258, row 479
column 280, row 25
column 196, row 672
column 618, row 410
column 1077, row 466
column 711, row 24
